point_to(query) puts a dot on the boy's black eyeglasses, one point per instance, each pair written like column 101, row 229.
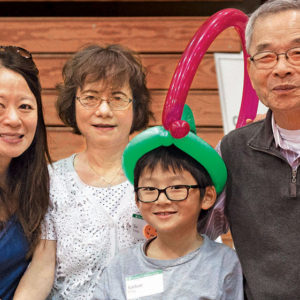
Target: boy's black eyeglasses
column 21, row 51
column 174, row 192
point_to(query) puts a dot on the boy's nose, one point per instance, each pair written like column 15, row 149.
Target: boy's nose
column 162, row 198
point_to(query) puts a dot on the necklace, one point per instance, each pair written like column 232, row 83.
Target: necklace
column 108, row 182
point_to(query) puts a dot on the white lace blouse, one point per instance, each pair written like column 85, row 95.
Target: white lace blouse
column 90, row 225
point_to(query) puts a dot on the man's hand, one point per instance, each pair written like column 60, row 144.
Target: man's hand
column 258, row 117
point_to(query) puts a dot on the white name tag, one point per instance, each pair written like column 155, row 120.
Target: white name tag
column 138, row 225
column 146, row 284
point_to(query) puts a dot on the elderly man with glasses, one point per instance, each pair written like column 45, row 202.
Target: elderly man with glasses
column 262, row 201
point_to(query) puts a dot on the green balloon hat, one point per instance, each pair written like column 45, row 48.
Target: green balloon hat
column 191, row 144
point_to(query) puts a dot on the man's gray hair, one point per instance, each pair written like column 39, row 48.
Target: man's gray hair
column 269, row 7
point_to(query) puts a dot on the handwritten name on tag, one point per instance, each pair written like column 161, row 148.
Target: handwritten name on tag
column 145, row 284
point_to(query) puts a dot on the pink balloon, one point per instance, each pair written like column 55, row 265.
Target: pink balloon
column 188, row 65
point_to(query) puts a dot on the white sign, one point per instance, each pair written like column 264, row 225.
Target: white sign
column 230, row 76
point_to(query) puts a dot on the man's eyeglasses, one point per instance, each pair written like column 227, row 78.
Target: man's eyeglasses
column 268, row 59
column 19, row 50
column 174, row 192
column 115, row 102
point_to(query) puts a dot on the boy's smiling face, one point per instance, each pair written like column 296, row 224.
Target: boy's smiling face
column 170, row 216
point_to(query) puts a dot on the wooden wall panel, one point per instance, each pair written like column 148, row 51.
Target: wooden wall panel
column 205, row 105
column 62, row 142
column 160, row 69
column 50, row 115
column 211, row 135
column 142, row 34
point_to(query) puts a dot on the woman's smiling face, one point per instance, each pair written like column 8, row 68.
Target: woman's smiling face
column 102, row 125
column 18, row 114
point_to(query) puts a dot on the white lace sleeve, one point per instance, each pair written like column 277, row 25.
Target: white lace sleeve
column 48, row 224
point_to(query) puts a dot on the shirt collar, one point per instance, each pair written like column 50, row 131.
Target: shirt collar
column 277, row 137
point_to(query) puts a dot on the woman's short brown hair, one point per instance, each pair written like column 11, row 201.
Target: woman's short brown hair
column 113, row 63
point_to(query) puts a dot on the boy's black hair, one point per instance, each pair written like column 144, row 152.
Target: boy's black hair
column 172, row 158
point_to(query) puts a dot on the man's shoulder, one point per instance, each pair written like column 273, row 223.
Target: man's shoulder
column 243, row 133
column 247, row 129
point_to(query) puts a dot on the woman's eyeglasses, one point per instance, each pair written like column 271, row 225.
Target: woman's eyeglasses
column 19, row 50
column 115, row 102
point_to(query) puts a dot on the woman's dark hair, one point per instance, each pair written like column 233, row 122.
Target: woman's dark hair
column 174, row 159
column 26, row 193
column 113, row 64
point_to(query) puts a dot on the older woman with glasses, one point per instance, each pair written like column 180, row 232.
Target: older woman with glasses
column 105, row 99
column 24, row 179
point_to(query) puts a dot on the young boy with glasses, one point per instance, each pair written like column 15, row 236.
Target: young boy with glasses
column 176, row 182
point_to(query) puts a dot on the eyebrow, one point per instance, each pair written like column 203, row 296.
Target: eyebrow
column 296, row 41
column 90, row 91
column 97, row 92
column 119, row 92
column 263, row 46
column 170, row 178
column 28, row 98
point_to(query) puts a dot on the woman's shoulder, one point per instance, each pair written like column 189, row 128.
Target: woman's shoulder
column 62, row 175
column 61, row 166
